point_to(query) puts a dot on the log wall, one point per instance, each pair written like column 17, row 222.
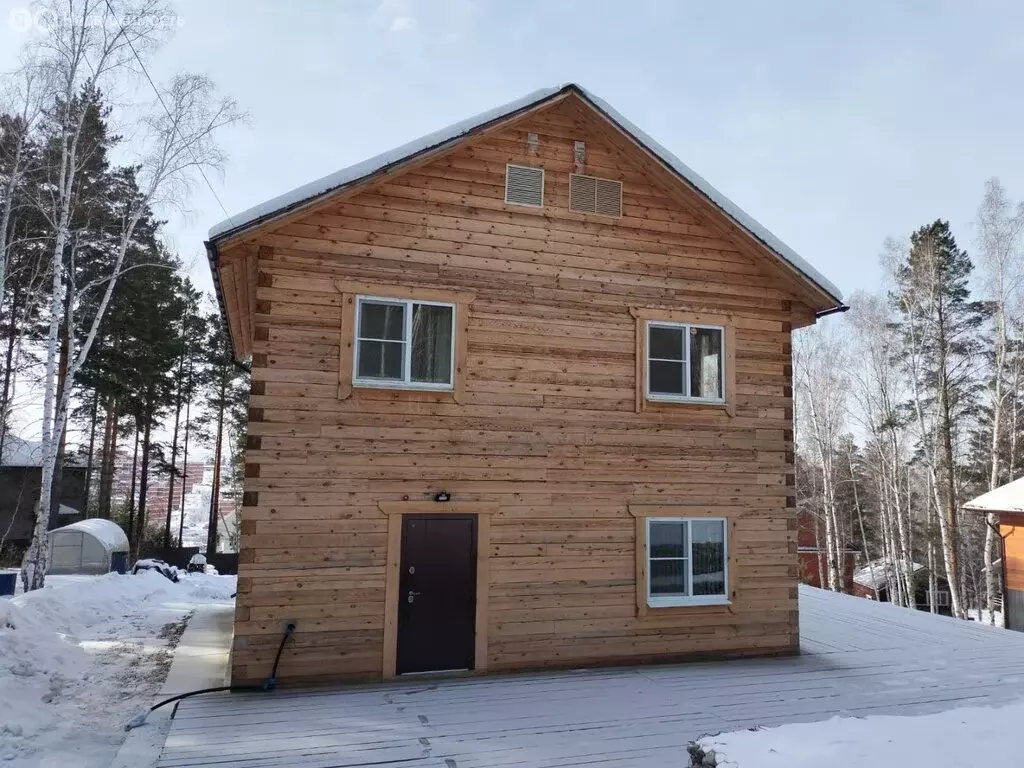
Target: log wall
column 546, row 429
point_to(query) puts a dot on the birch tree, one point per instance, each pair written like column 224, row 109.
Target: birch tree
column 819, row 372
column 21, row 102
column 89, row 42
column 878, row 392
column 1000, row 231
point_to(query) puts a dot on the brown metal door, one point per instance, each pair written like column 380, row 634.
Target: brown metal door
column 437, row 593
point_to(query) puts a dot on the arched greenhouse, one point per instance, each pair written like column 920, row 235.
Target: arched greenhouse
column 88, row 546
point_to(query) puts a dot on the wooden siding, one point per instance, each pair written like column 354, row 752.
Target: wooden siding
column 1012, row 530
column 546, row 428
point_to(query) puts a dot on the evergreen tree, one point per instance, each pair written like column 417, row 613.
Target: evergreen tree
column 226, row 390
column 940, row 325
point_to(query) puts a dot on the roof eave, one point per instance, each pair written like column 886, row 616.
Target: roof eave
column 397, row 164
column 630, row 131
column 212, row 258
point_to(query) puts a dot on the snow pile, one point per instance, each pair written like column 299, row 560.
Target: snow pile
column 971, row 736
column 81, row 656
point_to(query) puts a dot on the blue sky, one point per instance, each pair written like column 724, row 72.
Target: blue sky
column 834, row 124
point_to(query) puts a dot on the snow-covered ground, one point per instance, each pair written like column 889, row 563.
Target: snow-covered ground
column 960, row 738
column 982, row 616
column 83, row 655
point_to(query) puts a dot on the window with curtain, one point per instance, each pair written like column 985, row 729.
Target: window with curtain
column 404, row 343
column 687, row 561
column 685, row 362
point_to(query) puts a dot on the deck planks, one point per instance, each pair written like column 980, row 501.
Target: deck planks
column 859, row 658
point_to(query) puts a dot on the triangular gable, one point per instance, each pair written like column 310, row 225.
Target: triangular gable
column 445, row 139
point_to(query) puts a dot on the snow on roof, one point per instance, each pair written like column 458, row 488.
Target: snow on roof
column 875, row 574
column 21, row 453
column 1005, row 498
column 740, row 216
column 361, row 170
column 447, row 135
column 106, row 532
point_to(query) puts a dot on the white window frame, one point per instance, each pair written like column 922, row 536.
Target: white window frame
column 669, row 398
column 668, row 601
column 405, row 382
column 525, row 168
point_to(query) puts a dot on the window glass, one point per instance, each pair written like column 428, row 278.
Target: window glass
column 381, row 321
column 667, row 378
column 668, row 577
column 706, row 363
column 431, row 343
column 668, row 539
column 665, row 343
column 668, row 550
column 708, row 557
column 380, row 359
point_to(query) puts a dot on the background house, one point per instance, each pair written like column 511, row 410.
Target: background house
column 1007, row 503
column 20, row 481
column 873, row 580
column 812, row 557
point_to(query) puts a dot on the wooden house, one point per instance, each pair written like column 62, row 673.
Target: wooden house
column 1007, row 504
column 521, row 398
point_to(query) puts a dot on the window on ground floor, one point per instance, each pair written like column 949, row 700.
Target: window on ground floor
column 687, row 561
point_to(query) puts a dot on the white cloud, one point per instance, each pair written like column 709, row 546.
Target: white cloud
column 402, row 23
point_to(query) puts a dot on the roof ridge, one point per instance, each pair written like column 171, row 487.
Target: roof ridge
column 332, row 182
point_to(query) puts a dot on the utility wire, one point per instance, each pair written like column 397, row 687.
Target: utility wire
column 160, row 98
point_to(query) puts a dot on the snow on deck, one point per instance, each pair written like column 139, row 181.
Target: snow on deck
column 859, row 658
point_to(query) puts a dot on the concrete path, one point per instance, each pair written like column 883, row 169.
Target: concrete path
column 201, row 660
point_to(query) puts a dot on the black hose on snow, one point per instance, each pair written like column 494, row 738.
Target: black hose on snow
column 267, row 685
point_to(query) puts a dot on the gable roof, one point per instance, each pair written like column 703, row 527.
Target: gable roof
column 875, row 574
column 1005, row 498
column 439, row 140
column 18, row 452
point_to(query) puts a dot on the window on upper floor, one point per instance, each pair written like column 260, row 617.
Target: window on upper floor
column 687, row 561
column 404, row 343
column 685, row 362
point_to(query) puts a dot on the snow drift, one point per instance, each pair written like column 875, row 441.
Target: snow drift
column 80, row 656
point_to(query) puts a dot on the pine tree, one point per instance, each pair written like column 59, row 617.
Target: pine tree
column 939, row 323
column 190, row 329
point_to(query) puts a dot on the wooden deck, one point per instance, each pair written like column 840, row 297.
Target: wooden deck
column 859, row 658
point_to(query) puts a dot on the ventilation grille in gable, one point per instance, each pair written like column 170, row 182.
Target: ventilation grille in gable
column 589, row 194
column 524, row 185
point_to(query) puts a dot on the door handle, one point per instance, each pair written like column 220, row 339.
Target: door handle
column 411, row 597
